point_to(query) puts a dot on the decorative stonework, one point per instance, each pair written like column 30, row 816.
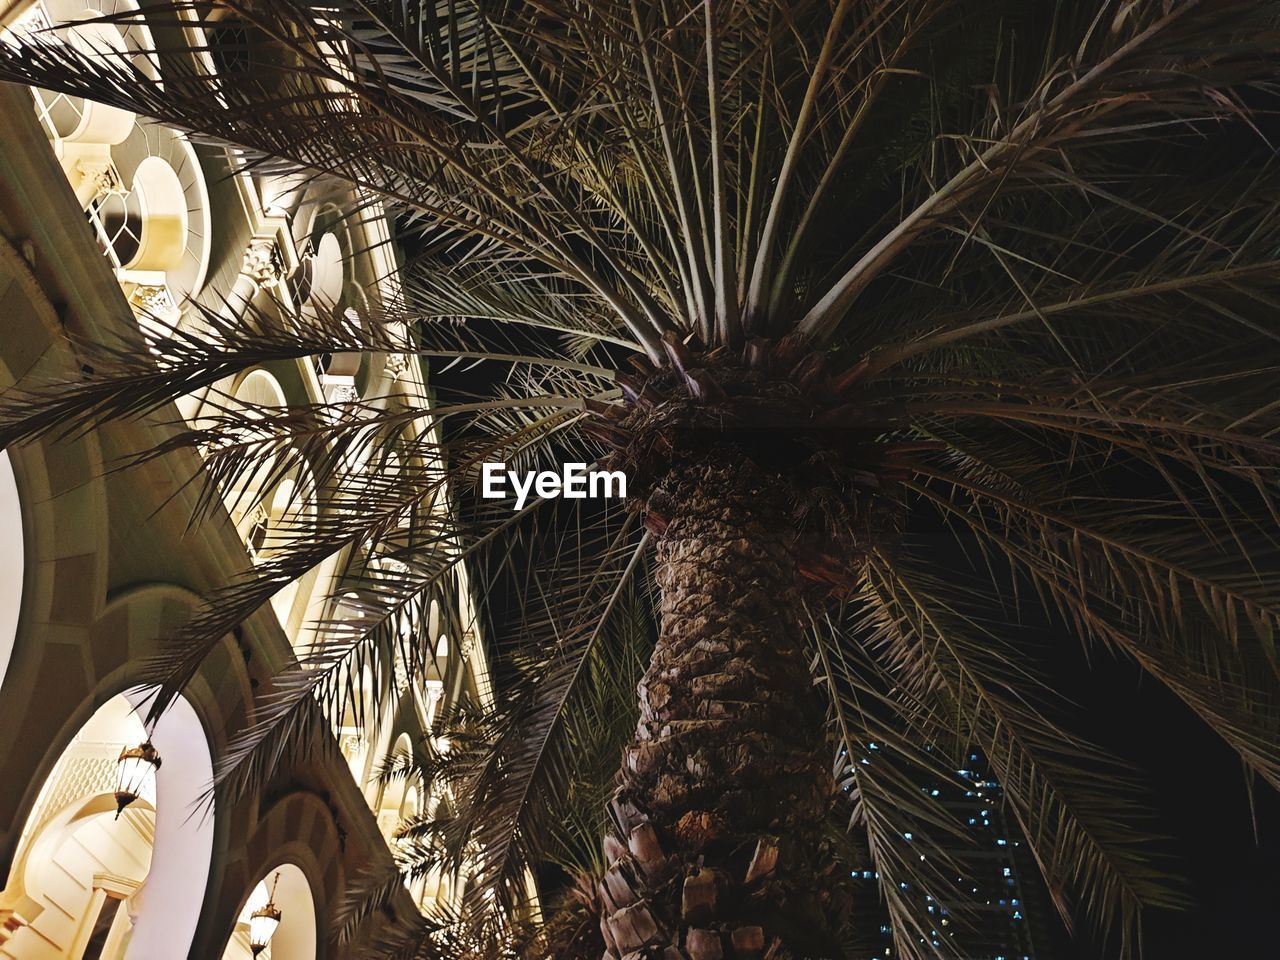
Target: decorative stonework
column 351, row 744
column 435, row 693
column 101, row 173
column 263, row 262
column 397, row 365
column 85, row 770
column 34, row 20
column 339, row 389
column 344, row 393
column 154, row 300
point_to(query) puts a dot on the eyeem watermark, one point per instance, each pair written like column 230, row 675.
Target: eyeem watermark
column 574, row 482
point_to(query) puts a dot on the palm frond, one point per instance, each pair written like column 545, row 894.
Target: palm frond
column 1074, row 805
column 1027, row 251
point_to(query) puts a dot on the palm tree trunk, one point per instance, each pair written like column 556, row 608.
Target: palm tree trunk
column 716, row 846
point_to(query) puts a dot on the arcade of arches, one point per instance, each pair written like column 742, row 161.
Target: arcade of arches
column 106, row 223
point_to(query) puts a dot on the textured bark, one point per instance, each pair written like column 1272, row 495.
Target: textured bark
column 716, row 850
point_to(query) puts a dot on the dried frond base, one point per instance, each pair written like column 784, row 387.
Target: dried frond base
column 776, row 407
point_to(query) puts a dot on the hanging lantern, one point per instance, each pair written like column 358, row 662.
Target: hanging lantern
column 135, row 774
column 263, row 921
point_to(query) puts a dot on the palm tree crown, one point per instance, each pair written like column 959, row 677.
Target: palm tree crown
column 901, row 317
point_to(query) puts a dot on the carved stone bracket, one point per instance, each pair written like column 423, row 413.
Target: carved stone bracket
column 154, row 300
column 263, row 262
column 351, row 744
column 101, row 175
column 397, row 364
column 339, row 389
column 33, row 20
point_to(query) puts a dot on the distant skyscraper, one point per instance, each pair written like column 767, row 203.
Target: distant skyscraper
column 1007, row 906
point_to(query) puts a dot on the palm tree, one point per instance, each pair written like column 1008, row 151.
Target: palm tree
column 836, row 284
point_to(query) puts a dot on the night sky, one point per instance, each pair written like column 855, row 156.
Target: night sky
column 1198, row 790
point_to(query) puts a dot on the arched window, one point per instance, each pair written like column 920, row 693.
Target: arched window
column 140, row 185
column 259, row 388
column 287, row 887
column 76, row 124
column 436, row 889
column 319, row 288
column 276, row 502
column 316, row 286
column 157, row 232
column 433, row 619
column 255, row 394
column 93, row 884
column 412, row 806
column 359, row 725
column 144, row 229
column 84, row 132
column 270, row 506
column 11, row 562
column 391, row 804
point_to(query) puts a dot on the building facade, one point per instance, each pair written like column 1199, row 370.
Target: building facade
column 107, row 221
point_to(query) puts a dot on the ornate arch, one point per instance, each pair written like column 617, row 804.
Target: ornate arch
column 297, row 829
column 158, row 870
